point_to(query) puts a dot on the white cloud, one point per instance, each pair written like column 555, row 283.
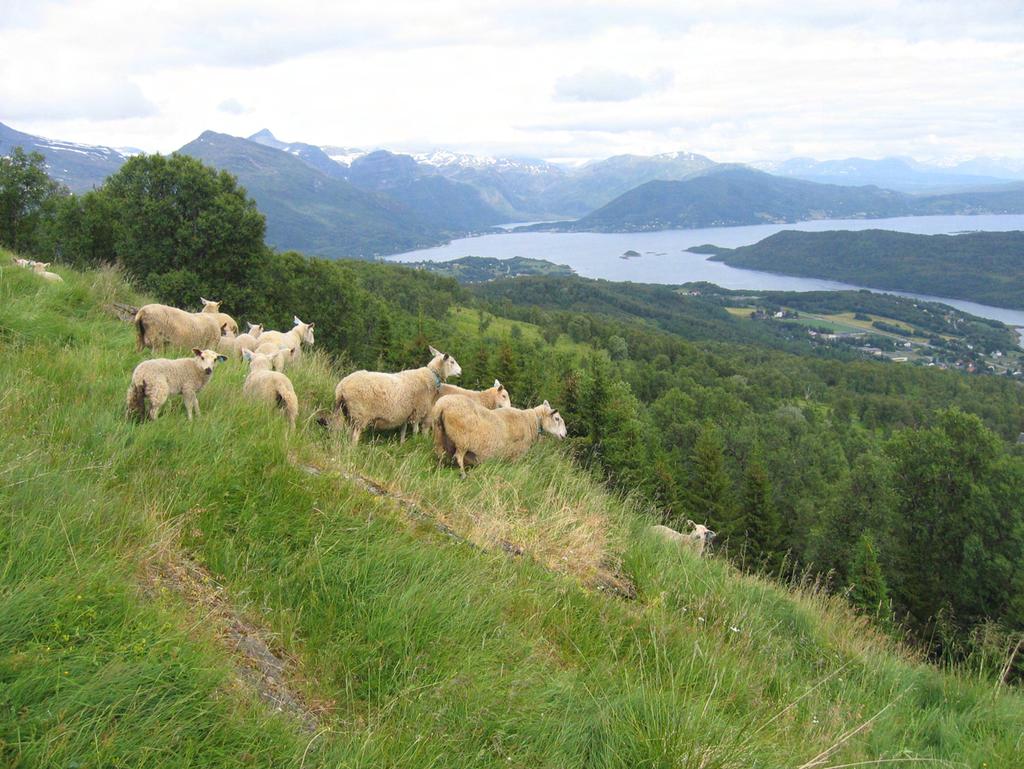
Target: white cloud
column 735, row 80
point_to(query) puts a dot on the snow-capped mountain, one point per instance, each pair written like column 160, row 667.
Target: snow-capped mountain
column 446, row 159
column 79, row 166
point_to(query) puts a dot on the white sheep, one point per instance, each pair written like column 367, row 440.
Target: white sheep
column 494, row 397
column 469, row 433
column 159, row 325
column 28, row 264
column 226, row 321
column 301, row 333
column 699, row 537
column 385, row 401
column 160, row 378
column 232, row 346
column 39, row 268
column 270, row 386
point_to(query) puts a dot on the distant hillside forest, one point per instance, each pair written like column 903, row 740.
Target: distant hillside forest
column 804, row 464
column 985, row 267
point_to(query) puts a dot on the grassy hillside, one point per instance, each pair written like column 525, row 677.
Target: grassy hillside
column 981, row 266
column 159, row 583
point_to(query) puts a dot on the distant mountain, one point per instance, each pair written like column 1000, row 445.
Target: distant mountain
column 79, row 166
column 902, row 174
column 730, row 196
column 310, row 211
column 311, row 155
column 978, row 266
column 513, row 186
column 449, row 205
column 597, row 183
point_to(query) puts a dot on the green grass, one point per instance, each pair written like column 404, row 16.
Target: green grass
column 423, row 650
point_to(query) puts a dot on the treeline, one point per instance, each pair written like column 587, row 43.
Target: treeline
column 899, row 485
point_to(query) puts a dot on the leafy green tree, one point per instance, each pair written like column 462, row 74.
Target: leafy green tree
column 25, row 194
column 868, row 589
column 80, row 230
column 185, row 227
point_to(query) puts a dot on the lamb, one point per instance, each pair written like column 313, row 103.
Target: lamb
column 225, row 320
column 469, row 433
column 270, row 386
column 39, row 268
column 494, row 397
column 385, row 401
column 159, row 325
column 160, row 378
column 301, row 333
column 232, row 346
column 699, row 537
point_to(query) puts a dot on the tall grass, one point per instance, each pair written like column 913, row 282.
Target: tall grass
column 424, row 651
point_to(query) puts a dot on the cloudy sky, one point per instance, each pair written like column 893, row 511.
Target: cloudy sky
column 735, row 80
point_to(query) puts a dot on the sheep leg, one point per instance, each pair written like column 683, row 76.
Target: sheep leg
column 460, row 459
column 416, row 428
column 356, row 431
column 191, row 403
column 404, row 425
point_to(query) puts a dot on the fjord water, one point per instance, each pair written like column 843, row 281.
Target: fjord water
column 664, row 258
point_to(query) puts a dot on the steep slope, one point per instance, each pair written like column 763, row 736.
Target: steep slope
column 79, row 166
column 311, row 155
column 400, row 645
column 984, row 267
column 309, row 211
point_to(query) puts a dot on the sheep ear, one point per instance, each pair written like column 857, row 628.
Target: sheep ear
column 433, row 350
column 497, row 385
column 311, row 326
column 251, row 325
column 547, row 405
column 690, row 523
column 296, row 321
column 197, row 352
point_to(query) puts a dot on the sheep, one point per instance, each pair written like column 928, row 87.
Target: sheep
column 39, row 268
column 469, row 433
column 699, row 537
column 160, row 378
column 271, row 386
column 28, row 264
column 385, row 401
column 159, row 325
column 301, row 333
column 494, row 397
column 232, row 346
column 213, row 308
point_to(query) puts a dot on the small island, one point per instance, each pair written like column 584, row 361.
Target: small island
column 706, row 248
column 631, row 254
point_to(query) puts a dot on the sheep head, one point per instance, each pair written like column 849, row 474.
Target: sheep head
column 551, row 421
column 504, row 399
column 443, row 364
column 209, row 306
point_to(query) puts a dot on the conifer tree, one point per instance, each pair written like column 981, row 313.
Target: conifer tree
column 760, row 518
column 868, row 589
column 709, row 496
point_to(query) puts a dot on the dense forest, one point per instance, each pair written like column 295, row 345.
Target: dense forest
column 901, row 486
column 985, row 267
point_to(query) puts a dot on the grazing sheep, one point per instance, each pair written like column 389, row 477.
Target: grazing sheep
column 232, row 346
column 160, row 378
column 469, row 433
column 159, row 325
column 39, row 268
column 699, row 537
column 494, row 397
column 213, row 308
column 270, row 386
column 28, row 264
column 386, row 401
column 301, row 333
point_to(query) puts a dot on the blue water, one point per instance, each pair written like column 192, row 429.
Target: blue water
column 664, row 258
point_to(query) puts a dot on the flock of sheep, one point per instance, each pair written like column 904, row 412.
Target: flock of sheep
column 468, row 426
